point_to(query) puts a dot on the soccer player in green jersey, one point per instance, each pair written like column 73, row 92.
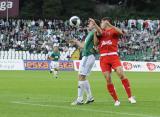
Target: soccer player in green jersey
column 54, row 65
column 86, row 65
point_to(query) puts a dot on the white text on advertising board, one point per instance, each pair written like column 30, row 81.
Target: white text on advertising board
column 4, row 5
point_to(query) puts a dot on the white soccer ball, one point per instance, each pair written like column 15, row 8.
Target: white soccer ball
column 74, row 21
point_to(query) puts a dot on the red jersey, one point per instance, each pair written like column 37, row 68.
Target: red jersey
column 108, row 42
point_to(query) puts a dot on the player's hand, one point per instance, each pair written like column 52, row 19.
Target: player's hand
column 124, row 32
column 49, row 58
column 92, row 20
column 73, row 41
column 108, row 23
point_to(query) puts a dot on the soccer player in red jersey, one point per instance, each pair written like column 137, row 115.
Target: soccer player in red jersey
column 107, row 43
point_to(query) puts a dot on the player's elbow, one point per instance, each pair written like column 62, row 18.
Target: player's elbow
column 95, row 43
column 121, row 33
column 81, row 46
column 124, row 32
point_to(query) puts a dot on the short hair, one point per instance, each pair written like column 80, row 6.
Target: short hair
column 108, row 19
column 97, row 22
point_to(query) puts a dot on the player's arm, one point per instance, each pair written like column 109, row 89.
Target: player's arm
column 98, row 29
column 118, row 30
column 50, row 58
column 78, row 43
column 95, row 39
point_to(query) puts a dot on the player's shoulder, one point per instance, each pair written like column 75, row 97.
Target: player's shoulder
column 110, row 30
column 104, row 31
column 91, row 33
column 113, row 30
column 89, row 36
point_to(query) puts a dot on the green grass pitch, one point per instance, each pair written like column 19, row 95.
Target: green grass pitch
column 38, row 94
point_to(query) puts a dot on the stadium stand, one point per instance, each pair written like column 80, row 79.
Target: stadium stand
column 34, row 39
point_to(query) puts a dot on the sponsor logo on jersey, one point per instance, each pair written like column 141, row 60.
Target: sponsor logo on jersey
column 109, row 42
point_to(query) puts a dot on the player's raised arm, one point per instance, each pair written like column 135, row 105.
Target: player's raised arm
column 119, row 31
column 78, row 43
column 98, row 29
column 50, row 58
column 95, row 39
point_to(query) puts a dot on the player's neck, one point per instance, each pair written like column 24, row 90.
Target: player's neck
column 108, row 27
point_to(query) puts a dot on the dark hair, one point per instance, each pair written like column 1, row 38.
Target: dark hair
column 107, row 18
column 97, row 22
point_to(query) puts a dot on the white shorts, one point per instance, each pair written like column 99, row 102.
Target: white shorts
column 54, row 64
column 86, row 65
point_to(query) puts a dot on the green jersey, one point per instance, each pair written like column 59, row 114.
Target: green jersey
column 55, row 56
column 88, row 45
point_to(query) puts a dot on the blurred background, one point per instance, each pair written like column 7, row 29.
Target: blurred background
column 30, row 28
column 90, row 8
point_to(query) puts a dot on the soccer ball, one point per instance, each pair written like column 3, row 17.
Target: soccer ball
column 74, row 21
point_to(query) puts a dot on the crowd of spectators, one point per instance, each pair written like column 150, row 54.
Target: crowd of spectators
column 141, row 41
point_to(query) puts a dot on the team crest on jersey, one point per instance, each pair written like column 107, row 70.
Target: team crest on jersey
column 109, row 42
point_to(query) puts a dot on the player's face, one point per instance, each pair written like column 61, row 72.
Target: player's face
column 103, row 24
column 55, row 49
column 90, row 25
